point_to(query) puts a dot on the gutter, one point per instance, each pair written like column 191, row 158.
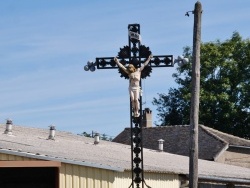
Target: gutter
column 215, row 179
column 203, row 178
column 235, row 146
column 63, row 160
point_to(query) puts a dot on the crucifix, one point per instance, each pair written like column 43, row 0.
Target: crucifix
column 134, row 62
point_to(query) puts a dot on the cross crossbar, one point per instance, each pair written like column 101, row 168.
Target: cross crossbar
column 156, row 62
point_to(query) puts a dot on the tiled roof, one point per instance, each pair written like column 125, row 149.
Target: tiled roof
column 75, row 149
column 176, row 140
column 230, row 139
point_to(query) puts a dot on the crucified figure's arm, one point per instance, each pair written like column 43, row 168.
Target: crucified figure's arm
column 146, row 62
column 120, row 65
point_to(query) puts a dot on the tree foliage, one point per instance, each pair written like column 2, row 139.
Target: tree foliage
column 102, row 136
column 224, row 89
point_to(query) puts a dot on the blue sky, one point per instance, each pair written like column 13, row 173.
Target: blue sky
column 45, row 44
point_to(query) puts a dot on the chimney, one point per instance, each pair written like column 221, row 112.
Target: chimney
column 8, row 129
column 52, row 132
column 160, row 142
column 96, row 138
column 147, row 118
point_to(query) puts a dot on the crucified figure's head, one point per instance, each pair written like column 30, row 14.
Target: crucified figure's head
column 131, row 68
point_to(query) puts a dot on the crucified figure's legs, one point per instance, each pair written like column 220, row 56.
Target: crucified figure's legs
column 134, row 96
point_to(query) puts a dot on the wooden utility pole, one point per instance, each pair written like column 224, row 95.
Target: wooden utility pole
column 195, row 95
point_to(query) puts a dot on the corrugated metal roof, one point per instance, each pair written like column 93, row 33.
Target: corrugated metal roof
column 75, row 149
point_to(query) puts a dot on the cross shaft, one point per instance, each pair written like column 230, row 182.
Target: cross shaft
column 135, row 54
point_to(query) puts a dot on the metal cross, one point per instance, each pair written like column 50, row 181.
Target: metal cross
column 134, row 53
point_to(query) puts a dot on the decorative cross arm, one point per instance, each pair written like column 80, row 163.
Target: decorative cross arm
column 156, row 61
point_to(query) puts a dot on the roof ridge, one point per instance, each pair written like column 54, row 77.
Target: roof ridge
column 225, row 134
column 165, row 126
column 206, row 129
column 41, row 128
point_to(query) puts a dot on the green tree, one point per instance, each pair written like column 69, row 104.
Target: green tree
column 86, row 134
column 224, row 91
column 102, row 136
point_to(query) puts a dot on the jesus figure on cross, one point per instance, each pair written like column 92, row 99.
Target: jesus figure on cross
column 134, row 82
